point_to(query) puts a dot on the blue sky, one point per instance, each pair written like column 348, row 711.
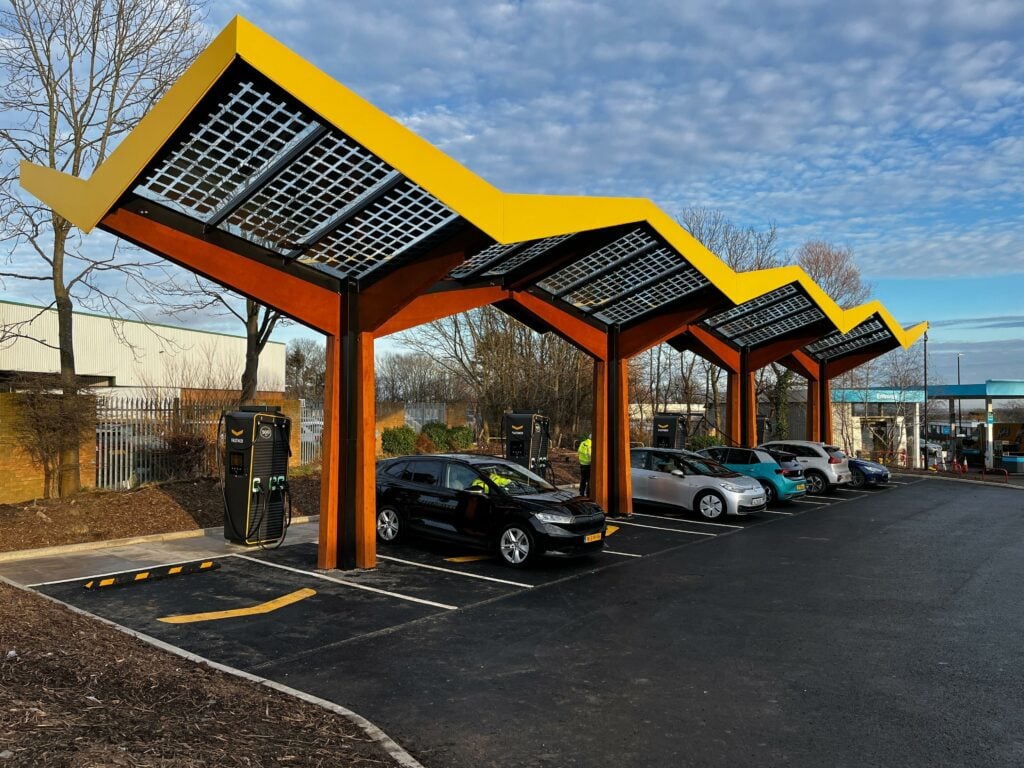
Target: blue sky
column 895, row 128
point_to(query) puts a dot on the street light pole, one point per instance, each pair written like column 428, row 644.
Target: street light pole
column 959, row 407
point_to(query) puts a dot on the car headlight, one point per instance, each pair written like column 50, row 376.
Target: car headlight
column 558, row 518
column 734, row 488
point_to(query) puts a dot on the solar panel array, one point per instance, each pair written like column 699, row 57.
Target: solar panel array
column 259, row 166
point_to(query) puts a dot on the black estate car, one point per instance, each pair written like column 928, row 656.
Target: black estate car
column 486, row 502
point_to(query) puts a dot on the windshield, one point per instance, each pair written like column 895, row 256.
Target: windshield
column 515, row 480
column 710, row 468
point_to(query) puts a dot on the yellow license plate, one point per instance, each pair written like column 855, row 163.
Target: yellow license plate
column 801, row 487
column 591, row 538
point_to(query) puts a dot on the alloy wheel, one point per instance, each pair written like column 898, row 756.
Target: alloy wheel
column 388, row 525
column 514, row 545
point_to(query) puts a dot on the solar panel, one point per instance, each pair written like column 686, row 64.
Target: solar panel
column 587, row 267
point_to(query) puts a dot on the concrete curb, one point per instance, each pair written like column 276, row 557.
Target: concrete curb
column 374, row 733
column 92, row 546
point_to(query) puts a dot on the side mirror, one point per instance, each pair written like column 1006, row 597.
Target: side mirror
column 678, row 473
column 477, row 489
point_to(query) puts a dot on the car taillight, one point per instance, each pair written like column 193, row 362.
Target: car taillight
column 834, row 460
column 780, row 471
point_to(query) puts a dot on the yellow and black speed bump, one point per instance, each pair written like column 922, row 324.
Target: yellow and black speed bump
column 163, row 572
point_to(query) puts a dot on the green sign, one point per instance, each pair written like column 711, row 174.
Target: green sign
column 990, row 418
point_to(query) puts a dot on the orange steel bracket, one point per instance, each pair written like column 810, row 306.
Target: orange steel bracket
column 359, row 535
column 574, row 330
column 301, row 300
column 800, row 363
column 814, row 406
column 381, row 300
column 429, row 307
column 619, row 410
column 776, row 351
column 660, row 328
column 704, row 343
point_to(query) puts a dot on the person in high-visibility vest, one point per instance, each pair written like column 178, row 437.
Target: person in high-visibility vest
column 497, row 479
column 583, row 453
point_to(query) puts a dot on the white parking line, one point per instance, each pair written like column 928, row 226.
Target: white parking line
column 808, row 501
column 453, row 570
column 773, row 512
column 688, row 522
column 660, row 528
column 345, row 583
column 623, row 554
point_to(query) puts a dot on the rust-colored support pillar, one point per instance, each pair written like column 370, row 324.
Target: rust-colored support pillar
column 733, row 412
column 748, row 403
column 330, row 483
column 813, row 409
column 620, row 485
column 825, row 398
column 599, row 452
column 357, row 544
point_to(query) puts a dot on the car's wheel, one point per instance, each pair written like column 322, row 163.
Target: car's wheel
column 816, row 482
column 389, row 525
column 710, row 505
column 515, row 545
column 858, row 480
column 769, row 491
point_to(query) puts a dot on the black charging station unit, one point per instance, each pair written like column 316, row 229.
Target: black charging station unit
column 670, row 430
column 256, row 444
column 526, row 440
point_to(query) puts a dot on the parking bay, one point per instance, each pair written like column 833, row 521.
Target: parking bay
column 413, row 581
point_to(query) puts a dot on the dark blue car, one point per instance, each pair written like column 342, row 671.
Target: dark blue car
column 867, row 473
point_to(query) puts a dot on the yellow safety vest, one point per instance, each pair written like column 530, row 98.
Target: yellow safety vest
column 584, row 452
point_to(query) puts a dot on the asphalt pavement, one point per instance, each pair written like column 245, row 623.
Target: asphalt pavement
column 873, row 628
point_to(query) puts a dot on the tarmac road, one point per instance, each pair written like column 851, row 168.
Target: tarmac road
column 871, row 628
column 883, row 631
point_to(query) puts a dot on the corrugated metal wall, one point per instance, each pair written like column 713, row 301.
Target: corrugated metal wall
column 137, row 354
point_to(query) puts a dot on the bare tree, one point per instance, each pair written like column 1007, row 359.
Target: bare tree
column 742, row 249
column 833, row 269
column 78, row 76
column 305, row 368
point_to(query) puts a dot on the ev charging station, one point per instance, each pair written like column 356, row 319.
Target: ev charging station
column 526, row 440
column 670, row 430
column 256, row 441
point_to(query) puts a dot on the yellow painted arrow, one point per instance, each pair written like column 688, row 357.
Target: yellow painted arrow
column 267, row 607
column 608, row 531
column 467, row 559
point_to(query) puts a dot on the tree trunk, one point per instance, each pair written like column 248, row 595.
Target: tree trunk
column 69, row 479
column 252, row 352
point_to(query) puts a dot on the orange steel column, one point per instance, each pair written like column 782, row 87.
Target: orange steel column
column 357, row 539
column 733, row 416
column 620, row 480
column 330, row 459
column 813, row 409
column 599, row 453
column 749, row 409
column 826, row 410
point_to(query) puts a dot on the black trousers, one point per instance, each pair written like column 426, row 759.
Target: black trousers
column 584, row 479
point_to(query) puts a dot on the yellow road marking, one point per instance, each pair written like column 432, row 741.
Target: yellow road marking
column 467, row 559
column 174, row 570
column 141, row 576
column 610, row 530
column 267, row 607
column 106, row 582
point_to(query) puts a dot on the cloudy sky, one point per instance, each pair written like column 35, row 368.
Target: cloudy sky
column 895, row 128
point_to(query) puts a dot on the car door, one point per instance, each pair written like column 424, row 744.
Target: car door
column 640, row 474
column 473, row 511
column 423, row 499
column 668, row 488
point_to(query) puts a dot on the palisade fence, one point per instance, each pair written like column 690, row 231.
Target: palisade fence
column 311, row 429
column 141, row 440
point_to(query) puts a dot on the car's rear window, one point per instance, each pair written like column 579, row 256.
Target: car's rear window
column 835, row 452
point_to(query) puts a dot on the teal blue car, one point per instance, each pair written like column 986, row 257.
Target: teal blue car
column 779, row 473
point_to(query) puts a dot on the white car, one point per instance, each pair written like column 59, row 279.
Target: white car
column 825, row 466
column 696, row 483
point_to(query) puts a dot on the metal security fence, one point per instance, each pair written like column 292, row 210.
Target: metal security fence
column 140, row 440
column 311, row 429
column 418, row 414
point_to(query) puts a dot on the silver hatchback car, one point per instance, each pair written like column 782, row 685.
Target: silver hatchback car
column 825, row 466
column 696, row 483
